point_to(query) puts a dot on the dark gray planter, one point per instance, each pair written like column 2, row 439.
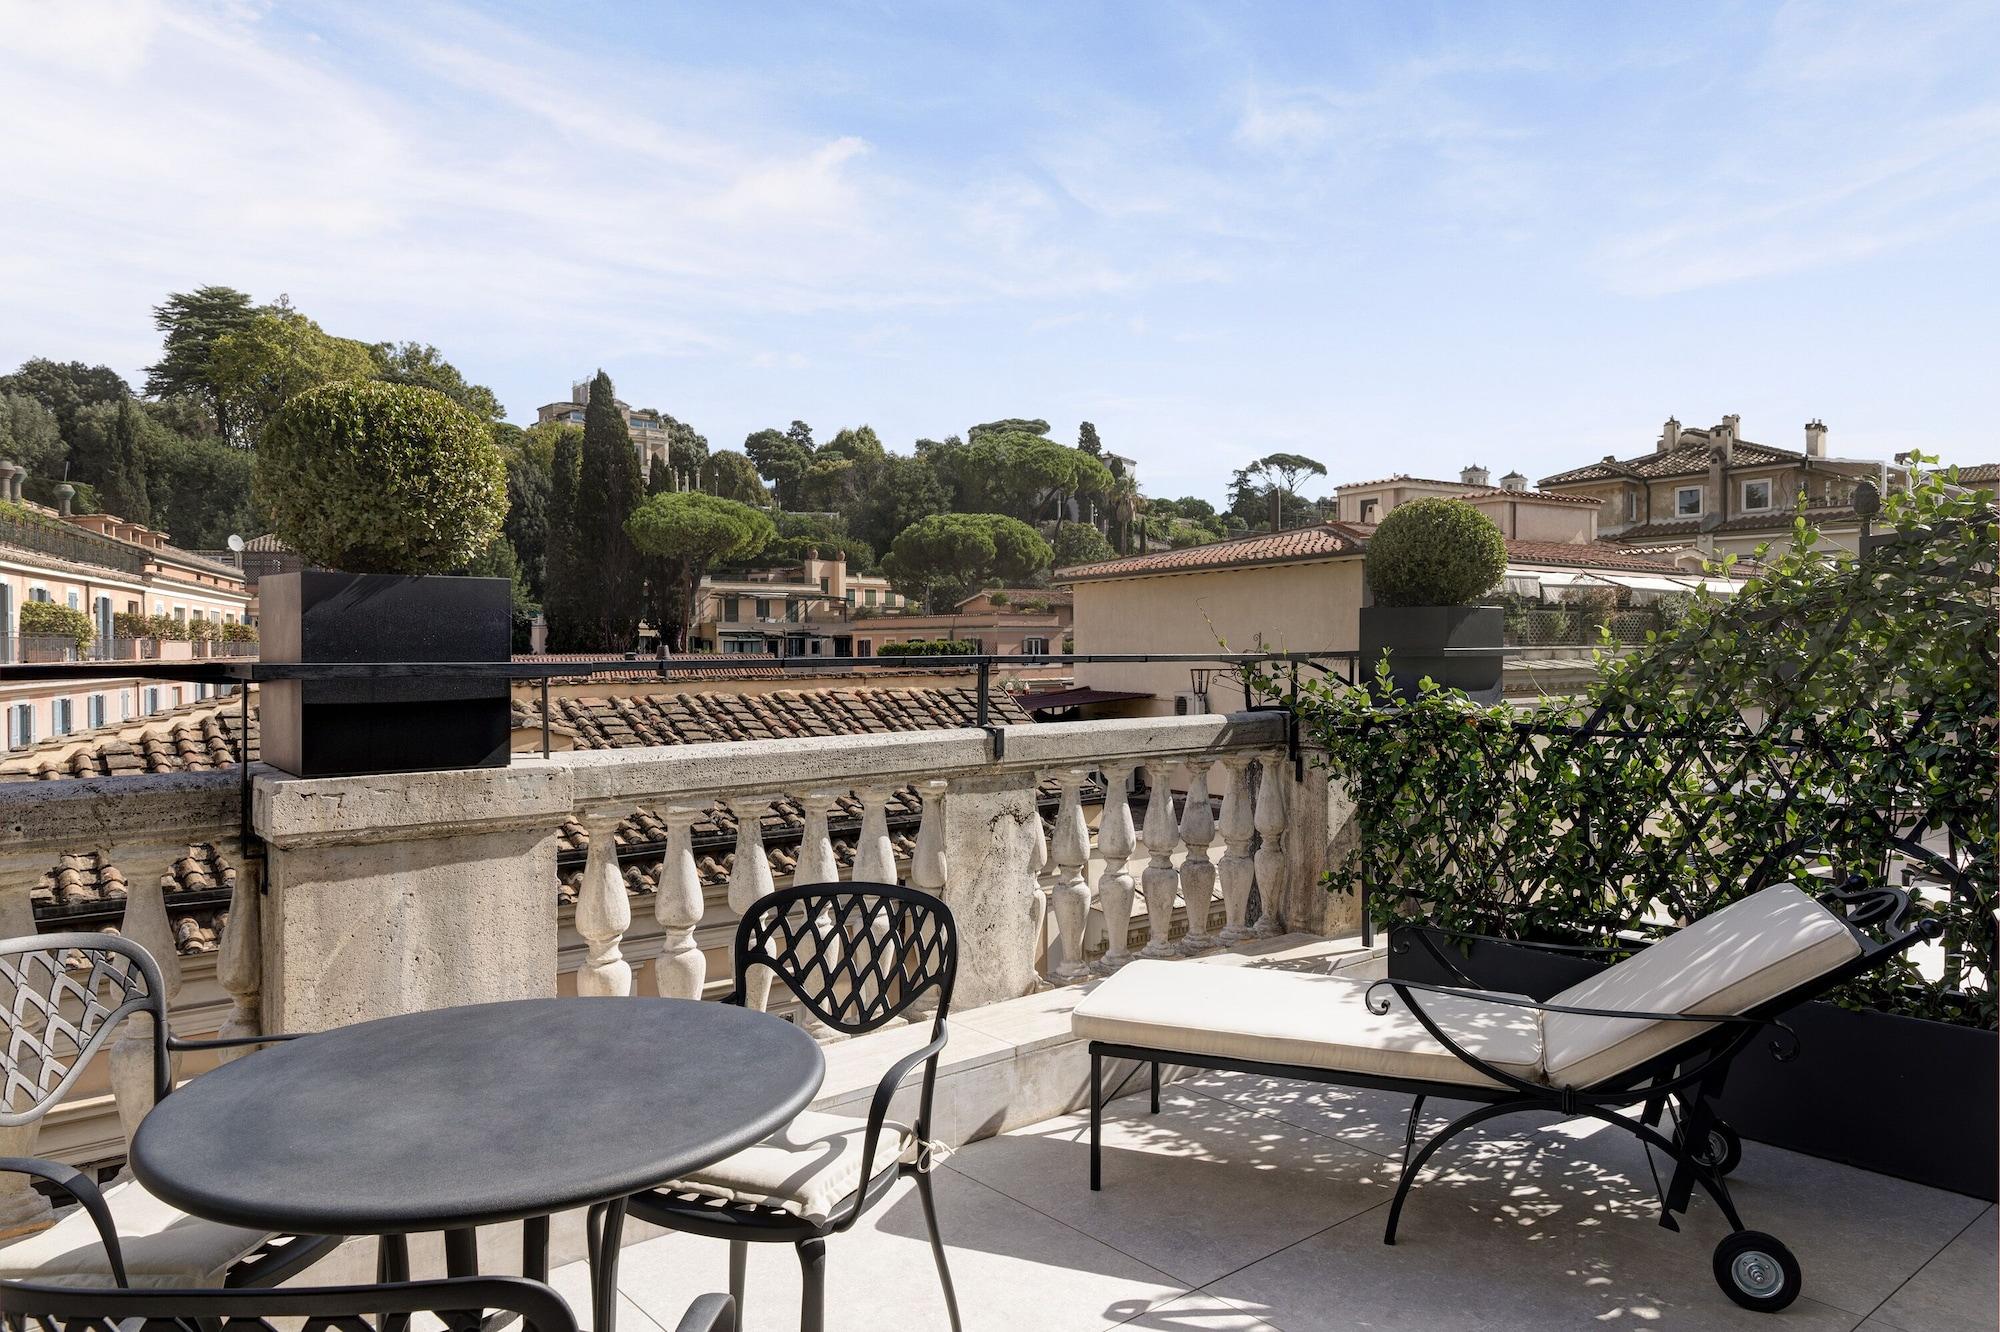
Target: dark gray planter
column 1416, row 636
column 337, row 728
column 1900, row 1096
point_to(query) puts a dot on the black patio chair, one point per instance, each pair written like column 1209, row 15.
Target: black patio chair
column 62, row 997
column 458, row 1300
column 855, row 955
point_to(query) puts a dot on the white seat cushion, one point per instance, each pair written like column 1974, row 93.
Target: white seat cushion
column 1290, row 1017
column 1744, row 955
column 163, row 1246
column 805, row 1168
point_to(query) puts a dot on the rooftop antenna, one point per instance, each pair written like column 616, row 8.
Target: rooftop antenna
column 235, row 543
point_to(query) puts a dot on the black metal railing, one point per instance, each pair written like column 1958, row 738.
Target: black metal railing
column 57, row 649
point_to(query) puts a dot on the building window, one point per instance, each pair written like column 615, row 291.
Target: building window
column 864, row 647
column 20, row 726
column 825, row 586
column 39, row 594
column 1368, row 511
column 1756, row 495
column 152, row 701
column 850, row 596
column 124, row 705
column 1631, row 506
column 732, row 608
column 1034, row 647
column 62, row 716
column 93, row 711
column 871, row 596
column 1687, row 502
column 75, row 600
column 763, row 608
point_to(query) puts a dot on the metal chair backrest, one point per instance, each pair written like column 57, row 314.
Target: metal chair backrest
column 62, row 997
column 854, row 954
column 309, row 1309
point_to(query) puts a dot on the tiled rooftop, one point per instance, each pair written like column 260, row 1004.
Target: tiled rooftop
column 1685, row 459
column 1333, row 540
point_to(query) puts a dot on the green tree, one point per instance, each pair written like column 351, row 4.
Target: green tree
column 65, row 388
column 727, row 474
column 421, row 364
column 538, row 442
column 945, row 558
column 1272, row 482
column 201, row 488
column 498, row 560
column 843, row 469
column 1080, row 543
column 123, row 489
column 606, row 604
column 562, row 596
column 687, row 451
column 689, row 532
column 190, row 322
column 905, row 491
column 276, row 356
column 1086, row 439
column 782, row 458
column 527, row 525
column 29, row 435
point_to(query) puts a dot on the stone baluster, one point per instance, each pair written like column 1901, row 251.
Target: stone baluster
column 818, row 864
column 1069, row 895
column 1197, row 870
column 131, row 1054
column 1115, row 842
column 1270, row 825
column 1160, row 881
column 928, row 868
column 22, row 1207
column 874, row 853
column 750, row 881
column 681, row 972
column 1237, row 872
column 603, row 910
column 239, row 964
column 1039, row 865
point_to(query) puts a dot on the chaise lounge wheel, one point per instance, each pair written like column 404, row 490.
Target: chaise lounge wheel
column 1722, row 1152
column 1757, row 1271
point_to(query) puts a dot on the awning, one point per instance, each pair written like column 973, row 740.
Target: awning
column 1074, row 698
column 1528, row 584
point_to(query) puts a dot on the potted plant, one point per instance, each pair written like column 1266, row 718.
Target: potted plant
column 1427, row 562
column 63, row 633
column 383, row 488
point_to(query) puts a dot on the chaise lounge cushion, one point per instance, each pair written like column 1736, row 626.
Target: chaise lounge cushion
column 163, row 1246
column 1315, row 1021
column 1731, row 961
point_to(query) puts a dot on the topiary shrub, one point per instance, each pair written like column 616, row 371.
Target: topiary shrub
column 45, row 619
column 929, row 647
column 377, row 478
column 1435, row 552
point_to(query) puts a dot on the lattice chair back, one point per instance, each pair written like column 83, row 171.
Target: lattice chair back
column 63, row 996
column 855, row 955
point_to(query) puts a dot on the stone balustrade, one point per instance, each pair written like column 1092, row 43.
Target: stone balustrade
column 382, row 894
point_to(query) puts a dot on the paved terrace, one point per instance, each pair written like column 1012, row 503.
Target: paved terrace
column 1253, row 1204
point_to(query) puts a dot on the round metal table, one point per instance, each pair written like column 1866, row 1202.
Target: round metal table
column 463, row 1117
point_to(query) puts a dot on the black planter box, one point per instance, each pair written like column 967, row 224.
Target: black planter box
column 1415, row 637
column 1900, row 1096
column 339, row 728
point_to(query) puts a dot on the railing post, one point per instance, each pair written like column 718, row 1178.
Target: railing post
column 603, row 910
column 1069, row 895
column 1237, row 872
column 1197, row 870
column 874, row 853
column 929, row 869
column 1160, row 880
column 1270, row 858
column 1115, row 841
column 239, row 967
column 681, row 971
column 1039, row 865
column 145, row 924
column 818, row 864
column 750, row 881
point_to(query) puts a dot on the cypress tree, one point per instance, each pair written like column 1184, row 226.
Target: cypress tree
column 124, row 484
column 560, row 583
column 608, row 488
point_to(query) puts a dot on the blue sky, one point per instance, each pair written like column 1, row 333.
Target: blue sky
column 1394, row 237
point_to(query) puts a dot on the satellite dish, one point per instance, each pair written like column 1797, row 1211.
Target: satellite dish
column 235, row 543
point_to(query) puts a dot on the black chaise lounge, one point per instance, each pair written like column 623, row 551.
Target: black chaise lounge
column 1661, row 1026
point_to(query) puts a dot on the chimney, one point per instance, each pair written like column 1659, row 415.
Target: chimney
column 1474, row 477
column 1670, row 435
column 64, row 493
column 1725, row 437
column 6, row 478
column 20, row 480
column 1513, row 481
column 1815, row 438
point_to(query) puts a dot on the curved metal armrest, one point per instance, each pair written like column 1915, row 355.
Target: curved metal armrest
column 1381, row 1005
column 84, row 1189
column 885, row 1091
column 709, row 1313
column 541, row 1309
column 230, row 1042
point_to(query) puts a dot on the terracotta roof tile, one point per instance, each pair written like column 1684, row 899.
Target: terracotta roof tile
column 1979, row 474
column 1685, row 459
column 1299, row 543
column 1584, row 555
column 1542, row 495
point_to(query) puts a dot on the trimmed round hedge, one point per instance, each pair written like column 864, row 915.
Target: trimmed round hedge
column 375, row 478
column 1435, row 552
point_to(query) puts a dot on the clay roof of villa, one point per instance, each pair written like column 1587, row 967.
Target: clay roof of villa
column 1979, row 474
column 1538, row 496
column 1325, row 541
column 1688, row 457
column 196, row 737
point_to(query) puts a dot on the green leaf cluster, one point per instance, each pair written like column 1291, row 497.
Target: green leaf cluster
column 929, row 647
column 947, row 557
column 372, row 477
column 46, row 619
column 1435, row 552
